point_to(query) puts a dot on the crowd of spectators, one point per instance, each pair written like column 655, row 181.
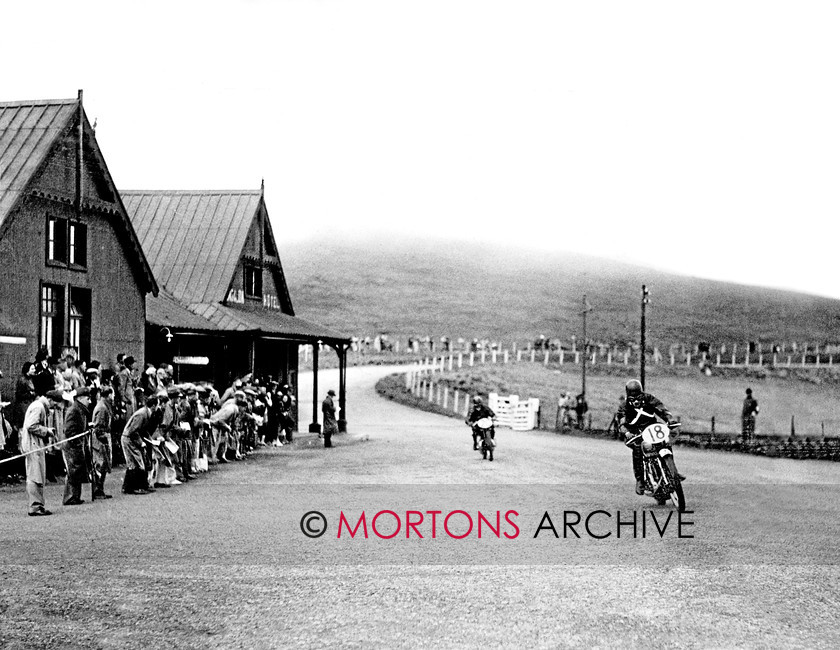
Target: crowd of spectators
column 75, row 419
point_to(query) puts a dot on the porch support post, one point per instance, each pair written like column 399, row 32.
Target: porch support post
column 342, row 389
column 315, row 427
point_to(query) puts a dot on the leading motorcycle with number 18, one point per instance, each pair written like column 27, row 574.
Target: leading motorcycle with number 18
column 661, row 478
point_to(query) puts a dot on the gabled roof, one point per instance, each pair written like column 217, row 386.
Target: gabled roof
column 193, row 239
column 28, row 132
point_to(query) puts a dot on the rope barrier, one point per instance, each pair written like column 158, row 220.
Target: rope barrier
column 49, row 446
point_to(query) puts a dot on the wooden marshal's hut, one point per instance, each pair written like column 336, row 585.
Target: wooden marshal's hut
column 74, row 275
column 224, row 308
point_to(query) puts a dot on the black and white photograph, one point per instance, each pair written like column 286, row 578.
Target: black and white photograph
column 419, row 324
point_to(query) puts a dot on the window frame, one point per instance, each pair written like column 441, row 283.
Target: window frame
column 258, row 273
column 72, row 249
column 51, row 323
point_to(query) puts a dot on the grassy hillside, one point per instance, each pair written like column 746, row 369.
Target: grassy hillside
column 457, row 289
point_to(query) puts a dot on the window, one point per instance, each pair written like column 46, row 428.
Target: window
column 66, row 243
column 80, row 321
column 253, row 282
column 52, row 317
column 78, row 244
column 57, row 240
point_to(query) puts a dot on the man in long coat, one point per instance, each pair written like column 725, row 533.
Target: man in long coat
column 75, row 423
column 124, row 386
column 103, row 416
column 34, row 436
column 140, row 425
column 330, row 423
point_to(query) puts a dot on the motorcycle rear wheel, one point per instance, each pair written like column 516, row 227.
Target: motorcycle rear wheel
column 677, row 495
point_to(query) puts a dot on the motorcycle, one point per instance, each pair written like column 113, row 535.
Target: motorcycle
column 662, row 480
column 483, row 430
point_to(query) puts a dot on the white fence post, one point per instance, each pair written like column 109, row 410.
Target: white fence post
column 533, row 353
column 507, row 356
column 545, row 359
column 472, row 359
column 483, row 355
column 562, row 356
column 519, row 355
column 455, row 401
column 493, row 356
column 445, row 396
column 450, row 363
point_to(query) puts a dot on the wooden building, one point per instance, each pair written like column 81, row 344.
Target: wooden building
column 224, row 308
column 74, row 274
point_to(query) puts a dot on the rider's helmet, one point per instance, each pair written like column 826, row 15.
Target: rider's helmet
column 476, row 400
column 633, row 388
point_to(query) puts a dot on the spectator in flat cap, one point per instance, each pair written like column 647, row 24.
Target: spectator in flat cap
column 330, row 423
column 140, row 425
column 103, row 416
column 75, row 423
column 34, row 436
column 125, row 400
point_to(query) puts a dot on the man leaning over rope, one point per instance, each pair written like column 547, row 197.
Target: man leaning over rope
column 34, row 436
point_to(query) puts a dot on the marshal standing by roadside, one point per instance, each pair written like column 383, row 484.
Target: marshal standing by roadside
column 748, row 413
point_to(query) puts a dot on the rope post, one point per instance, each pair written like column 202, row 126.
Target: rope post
column 472, row 359
column 460, row 359
column 533, row 352
column 792, row 426
column 519, row 355
column 445, row 396
column 545, row 360
column 713, row 425
column 507, row 356
column 562, row 356
column 455, row 401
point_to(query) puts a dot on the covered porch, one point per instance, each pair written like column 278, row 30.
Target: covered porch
column 218, row 343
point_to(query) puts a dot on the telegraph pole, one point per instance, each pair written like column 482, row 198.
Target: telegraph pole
column 586, row 309
column 645, row 294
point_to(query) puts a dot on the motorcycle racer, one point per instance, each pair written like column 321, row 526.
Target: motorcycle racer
column 479, row 410
column 640, row 410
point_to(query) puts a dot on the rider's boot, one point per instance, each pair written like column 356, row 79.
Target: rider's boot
column 640, row 486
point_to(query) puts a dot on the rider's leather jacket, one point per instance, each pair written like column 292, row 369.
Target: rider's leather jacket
column 480, row 411
column 635, row 419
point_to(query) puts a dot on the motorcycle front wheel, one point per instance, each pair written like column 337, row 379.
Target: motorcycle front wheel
column 677, row 496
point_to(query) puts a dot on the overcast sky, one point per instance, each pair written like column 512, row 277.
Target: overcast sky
column 698, row 137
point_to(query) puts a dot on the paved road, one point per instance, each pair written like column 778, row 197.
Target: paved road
column 222, row 562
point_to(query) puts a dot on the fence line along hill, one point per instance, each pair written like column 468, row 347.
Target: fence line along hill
column 441, row 288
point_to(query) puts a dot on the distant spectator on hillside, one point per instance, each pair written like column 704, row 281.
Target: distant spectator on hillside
column 748, row 413
column 581, row 408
